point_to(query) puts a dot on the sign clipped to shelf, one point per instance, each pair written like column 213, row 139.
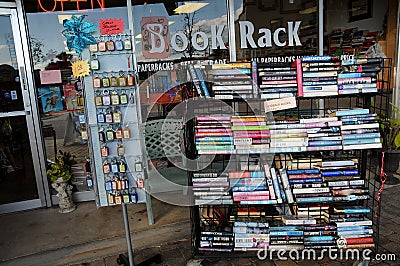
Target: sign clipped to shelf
column 280, row 104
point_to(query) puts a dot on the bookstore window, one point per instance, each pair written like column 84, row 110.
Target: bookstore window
column 353, row 27
column 170, row 33
column 275, row 28
column 60, row 94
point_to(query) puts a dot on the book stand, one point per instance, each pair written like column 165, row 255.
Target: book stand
column 128, row 261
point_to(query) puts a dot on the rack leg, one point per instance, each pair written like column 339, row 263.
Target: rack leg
column 122, row 259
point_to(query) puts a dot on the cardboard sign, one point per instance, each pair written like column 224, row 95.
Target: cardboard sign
column 280, row 104
column 80, row 68
column 111, row 26
column 50, row 76
column 155, row 37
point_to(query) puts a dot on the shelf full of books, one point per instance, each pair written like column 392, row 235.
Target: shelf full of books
column 307, row 76
column 301, row 180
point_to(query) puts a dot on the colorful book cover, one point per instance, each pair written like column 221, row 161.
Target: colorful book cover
column 51, row 99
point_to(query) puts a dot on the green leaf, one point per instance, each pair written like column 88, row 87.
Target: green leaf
column 397, row 141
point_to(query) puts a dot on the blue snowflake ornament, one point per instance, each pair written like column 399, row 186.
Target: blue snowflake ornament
column 78, row 33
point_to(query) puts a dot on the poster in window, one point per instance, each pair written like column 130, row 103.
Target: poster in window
column 51, row 99
column 359, row 9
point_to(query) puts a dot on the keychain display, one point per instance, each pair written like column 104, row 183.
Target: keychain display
column 114, row 91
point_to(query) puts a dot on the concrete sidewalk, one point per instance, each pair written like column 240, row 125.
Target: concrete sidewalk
column 91, row 236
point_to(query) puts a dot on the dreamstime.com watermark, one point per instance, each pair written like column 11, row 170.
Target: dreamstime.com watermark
column 331, row 253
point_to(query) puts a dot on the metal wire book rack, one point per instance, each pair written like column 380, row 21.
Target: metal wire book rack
column 214, row 223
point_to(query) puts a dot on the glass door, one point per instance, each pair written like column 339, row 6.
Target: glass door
column 22, row 168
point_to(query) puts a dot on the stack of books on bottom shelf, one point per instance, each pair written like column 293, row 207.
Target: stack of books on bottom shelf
column 216, row 241
column 214, row 135
column 211, row 189
column 320, row 236
column 360, row 129
column 250, row 235
column 353, row 229
column 287, row 237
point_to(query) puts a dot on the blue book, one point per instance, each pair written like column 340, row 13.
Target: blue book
column 305, row 180
column 213, row 139
column 319, row 238
column 302, row 171
column 352, row 112
column 362, row 136
column 340, row 173
column 314, row 199
column 361, row 141
column 353, row 228
column 285, row 228
column 248, row 188
column 325, row 58
column 286, row 233
column 324, row 143
column 202, row 83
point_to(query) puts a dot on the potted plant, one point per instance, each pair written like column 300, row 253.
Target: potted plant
column 390, row 134
column 60, row 175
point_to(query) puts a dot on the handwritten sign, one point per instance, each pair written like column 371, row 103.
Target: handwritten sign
column 111, row 26
column 280, row 104
column 80, row 68
column 50, row 76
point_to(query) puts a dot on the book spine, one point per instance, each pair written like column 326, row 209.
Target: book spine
column 275, row 184
column 299, row 76
column 270, row 184
column 286, row 186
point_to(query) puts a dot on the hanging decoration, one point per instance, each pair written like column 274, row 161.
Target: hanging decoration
column 80, row 68
column 78, row 33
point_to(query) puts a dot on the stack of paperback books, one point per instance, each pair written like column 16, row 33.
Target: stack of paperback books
column 288, row 136
column 214, row 135
column 320, row 236
column 232, row 81
column 286, row 237
column 308, row 186
column 359, row 75
column 250, row 235
column 317, row 75
column 216, row 241
column 344, row 180
column 360, row 129
column 211, row 189
column 249, row 187
column 276, row 81
column 251, row 134
column 355, row 234
column 323, row 133
column 315, row 211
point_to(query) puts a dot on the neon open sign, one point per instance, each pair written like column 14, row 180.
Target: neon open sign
column 52, row 6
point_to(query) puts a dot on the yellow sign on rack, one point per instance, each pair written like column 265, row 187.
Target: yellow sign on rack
column 80, row 68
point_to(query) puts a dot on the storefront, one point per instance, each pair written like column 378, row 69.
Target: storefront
column 166, row 34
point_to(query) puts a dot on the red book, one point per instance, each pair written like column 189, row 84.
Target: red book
column 299, row 74
column 360, row 240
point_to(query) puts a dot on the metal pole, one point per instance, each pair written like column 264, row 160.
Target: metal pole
column 231, row 28
column 396, row 71
column 320, row 102
column 127, row 234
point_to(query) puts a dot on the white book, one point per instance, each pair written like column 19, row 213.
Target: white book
column 364, row 222
column 286, row 185
column 311, row 190
column 361, row 126
column 362, row 146
column 318, row 119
